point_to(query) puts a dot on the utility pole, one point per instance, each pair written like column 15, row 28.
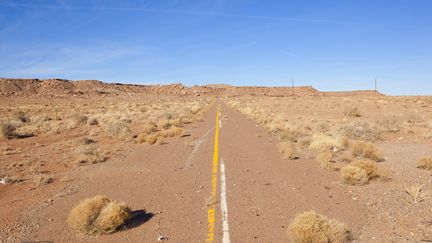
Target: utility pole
column 376, row 90
column 292, row 86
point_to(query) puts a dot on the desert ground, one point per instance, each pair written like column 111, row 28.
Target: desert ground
column 91, row 162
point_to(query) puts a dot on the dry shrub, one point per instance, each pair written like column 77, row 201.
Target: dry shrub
column 119, row 129
column 322, row 127
column 150, row 128
column 311, row 227
column 93, row 121
column 141, row 138
column 41, row 180
column 360, row 130
column 322, row 142
column 112, row 216
column 98, row 215
column 369, row 167
column 416, row 193
column 12, row 179
column 172, row 132
column 164, row 124
column 290, row 135
column 7, row 130
column 390, row 124
column 425, row 163
column 79, row 119
column 21, row 116
column 152, row 138
column 90, row 155
column 325, row 159
column 352, row 112
column 353, row 175
column 287, row 149
column 87, row 141
column 365, row 150
column 366, row 170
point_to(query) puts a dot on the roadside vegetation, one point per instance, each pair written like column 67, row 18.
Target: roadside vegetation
column 84, row 132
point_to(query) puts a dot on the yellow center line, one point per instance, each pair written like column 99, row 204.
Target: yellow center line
column 212, row 203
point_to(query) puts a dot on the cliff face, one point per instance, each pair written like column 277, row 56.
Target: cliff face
column 63, row 88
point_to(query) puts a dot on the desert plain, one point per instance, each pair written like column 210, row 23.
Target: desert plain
column 87, row 161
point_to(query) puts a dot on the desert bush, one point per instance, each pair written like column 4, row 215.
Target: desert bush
column 21, row 116
column 416, row 193
column 119, row 129
column 353, row 175
column 141, row 138
column 325, row 160
column 93, row 121
column 288, row 150
column 425, row 163
column 152, row 138
column 87, row 141
column 289, row 134
column 98, row 215
column 164, row 124
column 365, row 150
column 322, row 142
column 360, row 130
column 172, row 132
column 352, row 112
column 311, row 227
column 7, row 130
column 41, row 180
column 370, row 167
column 90, row 155
column 322, row 127
column 390, row 124
column 80, row 119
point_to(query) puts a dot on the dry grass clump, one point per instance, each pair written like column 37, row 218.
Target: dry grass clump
column 7, row 130
column 141, row 138
column 80, row 119
column 152, row 138
column 370, row 167
column 290, row 135
column 98, row 215
column 90, row 155
column 325, row 158
column 391, row 124
column 425, row 163
column 353, row 175
column 352, row 112
column 311, row 227
column 172, row 132
column 361, row 172
column 119, row 129
column 416, row 193
column 322, row 142
column 287, row 149
column 21, row 116
column 365, row 150
column 41, row 180
column 93, row 121
column 360, row 130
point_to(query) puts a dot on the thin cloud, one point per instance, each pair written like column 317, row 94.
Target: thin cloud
column 177, row 11
column 59, row 60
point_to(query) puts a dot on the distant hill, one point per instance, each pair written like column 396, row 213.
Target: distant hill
column 64, row 88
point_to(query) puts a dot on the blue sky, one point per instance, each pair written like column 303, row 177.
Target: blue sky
column 332, row 45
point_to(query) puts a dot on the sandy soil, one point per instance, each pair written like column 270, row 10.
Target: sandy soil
column 169, row 185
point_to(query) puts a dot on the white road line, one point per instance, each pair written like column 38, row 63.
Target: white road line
column 224, row 205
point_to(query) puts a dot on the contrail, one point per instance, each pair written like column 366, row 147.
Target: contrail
column 172, row 11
